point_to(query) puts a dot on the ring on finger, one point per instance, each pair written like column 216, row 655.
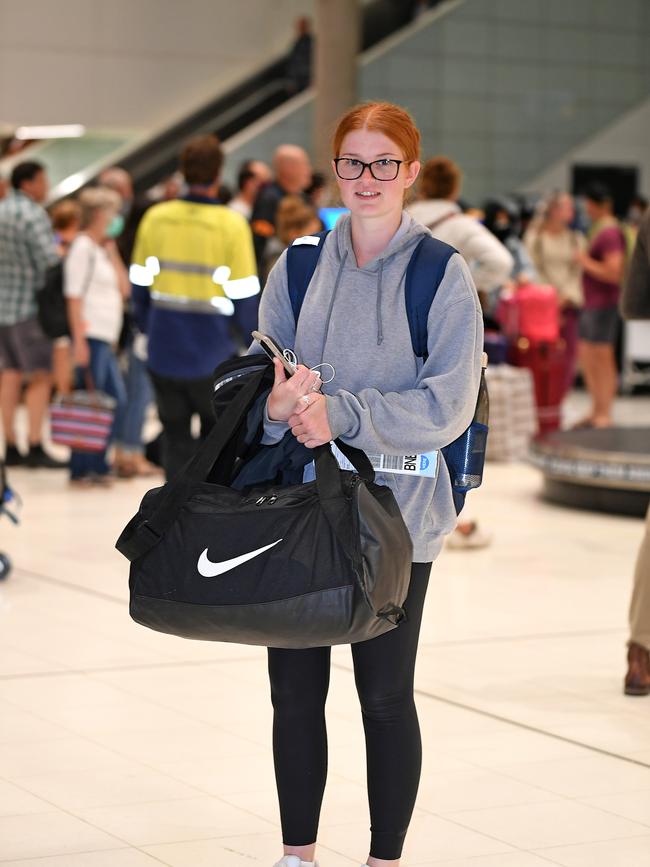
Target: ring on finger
column 305, row 397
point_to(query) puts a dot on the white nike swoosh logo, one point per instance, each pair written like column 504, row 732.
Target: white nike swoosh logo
column 210, row 570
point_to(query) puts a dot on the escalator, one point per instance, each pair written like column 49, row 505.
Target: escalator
column 152, row 160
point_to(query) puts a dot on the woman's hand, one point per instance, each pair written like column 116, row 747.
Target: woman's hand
column 81, row 352
column 309, row 423
column 286, row 392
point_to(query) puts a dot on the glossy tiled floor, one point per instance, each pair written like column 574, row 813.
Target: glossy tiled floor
column 123, row 748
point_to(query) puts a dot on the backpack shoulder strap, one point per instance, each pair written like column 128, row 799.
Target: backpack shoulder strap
column 424, row 275
column 302, row 259
column 443, row 219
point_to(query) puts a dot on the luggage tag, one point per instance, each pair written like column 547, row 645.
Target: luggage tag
column 424, row 465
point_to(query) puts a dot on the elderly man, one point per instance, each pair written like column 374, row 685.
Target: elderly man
column 292, row 175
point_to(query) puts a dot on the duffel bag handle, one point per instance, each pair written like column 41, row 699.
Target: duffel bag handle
column 359, row 460
column 328, row 472
column 138, row 538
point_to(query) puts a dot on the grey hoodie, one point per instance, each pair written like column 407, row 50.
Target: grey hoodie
column 382, row 399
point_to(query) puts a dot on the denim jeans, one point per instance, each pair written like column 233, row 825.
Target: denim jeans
column 139, row 394
column 107, row 378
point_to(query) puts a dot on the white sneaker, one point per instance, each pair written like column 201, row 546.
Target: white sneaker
column 294, row 861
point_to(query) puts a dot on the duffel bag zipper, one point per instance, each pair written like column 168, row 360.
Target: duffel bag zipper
column 268, row 500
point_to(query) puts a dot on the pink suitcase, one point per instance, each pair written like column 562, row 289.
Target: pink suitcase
column 547, row 363
column 533, row 312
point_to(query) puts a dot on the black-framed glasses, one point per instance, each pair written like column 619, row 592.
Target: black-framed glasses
column 349, row 169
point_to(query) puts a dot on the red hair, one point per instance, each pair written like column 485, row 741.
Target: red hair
column 391, row 120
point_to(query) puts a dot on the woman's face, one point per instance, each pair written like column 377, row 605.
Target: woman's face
column 102, row 220
column 366, row 196
column 563, row 211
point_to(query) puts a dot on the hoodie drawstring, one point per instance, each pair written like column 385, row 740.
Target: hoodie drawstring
column 380, row 325
column 337, row 283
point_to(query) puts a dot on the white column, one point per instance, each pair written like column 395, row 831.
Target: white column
column 338, row 38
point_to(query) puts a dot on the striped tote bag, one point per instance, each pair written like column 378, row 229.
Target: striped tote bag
column 82, row 420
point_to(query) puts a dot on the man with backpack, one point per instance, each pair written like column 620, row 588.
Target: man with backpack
column 27, row 250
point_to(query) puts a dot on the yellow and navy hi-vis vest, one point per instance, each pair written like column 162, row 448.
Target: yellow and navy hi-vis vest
column 195, row 257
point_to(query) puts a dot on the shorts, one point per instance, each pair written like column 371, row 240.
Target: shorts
column 25, row 347
column 599, row 324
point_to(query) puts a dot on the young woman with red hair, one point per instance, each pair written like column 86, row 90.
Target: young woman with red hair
column 383, row 400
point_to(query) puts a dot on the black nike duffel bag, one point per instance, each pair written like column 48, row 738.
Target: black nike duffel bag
column 305, row 565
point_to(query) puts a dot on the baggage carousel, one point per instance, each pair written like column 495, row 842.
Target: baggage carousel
column 603, row 470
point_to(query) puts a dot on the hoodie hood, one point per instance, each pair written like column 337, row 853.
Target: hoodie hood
column 402, row 243
column 406, row 236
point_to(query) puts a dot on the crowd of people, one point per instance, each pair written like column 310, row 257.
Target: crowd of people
column 138, row 346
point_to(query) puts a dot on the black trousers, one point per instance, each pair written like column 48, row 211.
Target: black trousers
column 383, row 672
column 178, row 400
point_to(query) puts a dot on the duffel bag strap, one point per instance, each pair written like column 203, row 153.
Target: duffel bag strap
column 328, row 472
column 358, row 459
column 136, row 541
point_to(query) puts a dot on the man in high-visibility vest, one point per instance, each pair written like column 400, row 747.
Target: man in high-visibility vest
column 193, row 271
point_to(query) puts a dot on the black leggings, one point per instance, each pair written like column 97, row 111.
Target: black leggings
column 383, row 672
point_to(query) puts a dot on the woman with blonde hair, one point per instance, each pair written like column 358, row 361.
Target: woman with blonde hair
column 383, row 400
column 554, row 247
column 96, row 285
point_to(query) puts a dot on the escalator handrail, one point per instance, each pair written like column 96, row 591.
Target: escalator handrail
column 151, row 157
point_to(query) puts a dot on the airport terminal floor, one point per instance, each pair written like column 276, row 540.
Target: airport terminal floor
column 127, row 748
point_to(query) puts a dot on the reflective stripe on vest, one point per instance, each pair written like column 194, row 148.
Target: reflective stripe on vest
column 157, row 271
column 218, row 305
column 185, row 267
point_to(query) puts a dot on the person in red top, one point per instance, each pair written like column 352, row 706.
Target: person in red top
column 603, row 268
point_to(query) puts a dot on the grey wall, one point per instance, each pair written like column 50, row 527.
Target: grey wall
column 626, row 143
column 505, row 87
column 131, row 64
